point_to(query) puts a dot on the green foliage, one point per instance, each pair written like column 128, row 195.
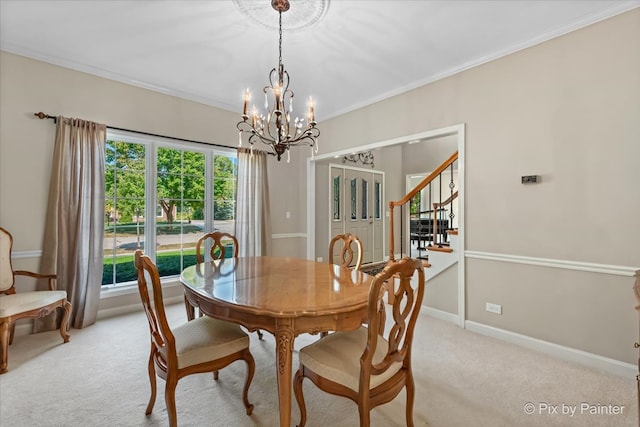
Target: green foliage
column 224, row 187
column 180, row 179
column 180, row 183
column 180, row 192
column 124, row 176
column 168, row 265
column 415, row 204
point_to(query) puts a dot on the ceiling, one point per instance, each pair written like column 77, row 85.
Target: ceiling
column 358, row 52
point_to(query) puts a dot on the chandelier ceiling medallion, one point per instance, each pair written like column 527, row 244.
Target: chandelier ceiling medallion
column 276, row 129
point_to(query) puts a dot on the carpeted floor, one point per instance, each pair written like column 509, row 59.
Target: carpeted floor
column 462, row 379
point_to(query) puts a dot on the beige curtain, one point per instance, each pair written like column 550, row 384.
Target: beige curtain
column 74, row 227
column 253, row 217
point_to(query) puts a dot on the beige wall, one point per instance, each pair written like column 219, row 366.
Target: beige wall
column 426, row 156
column 26, row 146
column 567, row 110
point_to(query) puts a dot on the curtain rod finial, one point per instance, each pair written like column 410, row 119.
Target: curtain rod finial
column 42, row 115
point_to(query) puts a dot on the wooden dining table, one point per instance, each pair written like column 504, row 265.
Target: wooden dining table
column 284, row 296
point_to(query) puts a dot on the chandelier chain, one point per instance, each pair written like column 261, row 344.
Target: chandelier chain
column 280, row 40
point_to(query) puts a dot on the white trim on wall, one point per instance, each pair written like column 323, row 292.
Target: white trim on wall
column 440, row 314
column 26, row 254
column 289, row 235
column 555, row 263
column 591, row 360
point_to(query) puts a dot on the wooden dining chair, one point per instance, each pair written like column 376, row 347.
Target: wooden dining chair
column 349, row 246
column 197, row 346
column 20, row 305
column 219, row 242
column 347, row 251
column 370, row 365
column 219, row 249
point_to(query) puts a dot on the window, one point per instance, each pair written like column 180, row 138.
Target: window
column 378, row 199
column 354, row 199
column 365, row 199
column 161, row 197
column 336, row 198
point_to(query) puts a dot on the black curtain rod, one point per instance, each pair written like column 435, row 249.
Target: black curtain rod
column 42, row 115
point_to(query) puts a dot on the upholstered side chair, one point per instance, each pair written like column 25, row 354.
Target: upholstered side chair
column 370, row 365
column 197, row 346
column 20, row 305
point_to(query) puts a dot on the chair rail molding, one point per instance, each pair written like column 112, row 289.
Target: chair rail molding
column 26, row 254
column 590, row 267
column 289, row 236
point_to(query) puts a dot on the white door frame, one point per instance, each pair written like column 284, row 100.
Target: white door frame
column 457, row 130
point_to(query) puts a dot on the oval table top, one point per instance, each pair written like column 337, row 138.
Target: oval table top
column 279, row 286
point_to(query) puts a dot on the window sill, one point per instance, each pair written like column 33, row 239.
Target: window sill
column 132, row 288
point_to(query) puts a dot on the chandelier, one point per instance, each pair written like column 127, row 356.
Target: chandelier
column 276, row 129
column 364, row 158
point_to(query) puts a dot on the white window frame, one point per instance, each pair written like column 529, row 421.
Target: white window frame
column 152, row 144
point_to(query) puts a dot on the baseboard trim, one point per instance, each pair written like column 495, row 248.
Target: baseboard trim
column 132, row 308
column 590, row 267
column 591, row 360
column 441, row 314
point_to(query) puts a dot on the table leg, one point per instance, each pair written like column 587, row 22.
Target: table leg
column 284, row 353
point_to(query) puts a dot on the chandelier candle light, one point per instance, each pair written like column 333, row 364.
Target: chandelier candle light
column 275, row 129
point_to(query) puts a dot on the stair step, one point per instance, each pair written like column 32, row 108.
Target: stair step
column 441, row 249
column 453, row 231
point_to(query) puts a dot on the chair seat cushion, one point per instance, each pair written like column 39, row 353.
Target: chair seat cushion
column 336, row 357
column 26, row 301
column 204, row 339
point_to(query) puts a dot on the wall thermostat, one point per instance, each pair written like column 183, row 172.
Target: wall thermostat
column 530, row 179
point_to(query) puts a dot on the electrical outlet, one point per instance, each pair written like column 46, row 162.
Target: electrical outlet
column 319, row 259
column 494, row 308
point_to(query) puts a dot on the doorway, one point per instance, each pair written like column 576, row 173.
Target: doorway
column 316, row 232
column 356, row 197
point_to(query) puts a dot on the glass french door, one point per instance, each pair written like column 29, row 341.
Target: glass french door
column 357, row 208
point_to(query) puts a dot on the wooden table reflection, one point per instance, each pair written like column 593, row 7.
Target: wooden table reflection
column 285, row 296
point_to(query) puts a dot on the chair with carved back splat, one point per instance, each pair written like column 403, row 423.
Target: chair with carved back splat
column 216, row 251
column 198, row 346
column 370, row 365
column 347, row 252
column 220, row 242
column 20, row 305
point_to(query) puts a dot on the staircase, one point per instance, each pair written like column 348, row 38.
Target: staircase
column 438, row 260
column 427, row 217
